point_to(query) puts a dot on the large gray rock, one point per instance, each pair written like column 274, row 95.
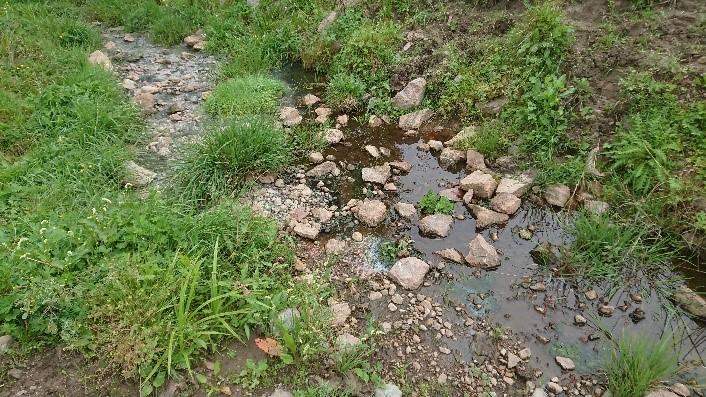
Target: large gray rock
column 482, row 254
column 485, row 217
column 557, row 195
column 505, row 203
column 437, row 225
column 482, row 184
column 371, row 212
column 414, row 120
column 450, row 157
column 379, row 174
column 290, row 116
column 324, row 169
column 409, row 272
column 138, row 176
column 411, row 95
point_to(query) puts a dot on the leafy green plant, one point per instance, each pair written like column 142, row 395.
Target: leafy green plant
column 344, row 92
column 433, row 203
column 221, row 164
column 636, row 364
column 245, row 95
column 490, row 140
column 390, row 250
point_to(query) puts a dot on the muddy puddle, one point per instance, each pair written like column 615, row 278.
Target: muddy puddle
column 545, row 320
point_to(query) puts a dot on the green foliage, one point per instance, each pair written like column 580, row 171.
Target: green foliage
column 368, row 52
column 390, row 250
column 568, row 170
column 637, row 364
column 624, row 253
column 433, row 203
column 221, row 164
column 490, row 140
column 344, row 92
column 245, row 95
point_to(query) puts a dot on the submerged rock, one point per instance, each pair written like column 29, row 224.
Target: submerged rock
column 411, row 95
column 409, row 272
column 565, row 363
column 482, row 254
column 545, row 255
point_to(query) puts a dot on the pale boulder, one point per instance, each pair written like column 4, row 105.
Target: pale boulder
column 505, row 203
column 411, row 95
column 409, row 272
column 482, row 254
column 482, row 184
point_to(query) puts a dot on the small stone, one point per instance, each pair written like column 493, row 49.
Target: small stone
column 538, row 287
column 290, row 116
column 435, row 145
column 6, row 342
column 437, row 225
column 405, row 210
column 482, row 254
column 324, row 169
column 444, row 350
column 565, row 363
column 454, row 194
column 557, row 195
column 451, row 254
column 468, row 198
column 316, row 157
column 372, row 151
column 374, row 295
column 346, row 342
column 304, row 230
column 512, row 360
column 414, row 120
column 341, row 312
column 554, row 387
column 591, row 295
column 525, row 353
column 342, row 120
column 357, row 236
column 299, row 265
column 580, row 320
column 606, row 310
column 391, row 307
column 98, row 58
column 310, row 99
column 483, row 185
column 409, row 272
column 333, row 136
column 397, row 299
column 375, row 121
column 403, row 166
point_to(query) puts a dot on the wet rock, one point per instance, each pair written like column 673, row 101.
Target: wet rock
column 580, row 320
column 595, row 206
column 468, row 198
column 335, row 247
column 137, row 176
column 374, row 121
column 437, row 225
column 544, row 254
column 464, row 134
column 557, row 195
column 414, row 120
column 409, row 272
column 474, row 160
column 327, row 21
column 565, row 363
column 516, row 187
column 290, row 116
column 680, row 389
column 388, row 390
column 505, row 203
column 690, row 301
column 341, row 312
column 333, row 136
column 379, row 174
column 485, row 217
column 606, row 310
column 512, row 360
column 662, row 393
column 482, row 254
column 482, row 184
column 316, row 157
column 591, row 295
column 6, row 342
column 310, row 100
column 371, row 212
column 637, row 315
column 346, row 342
column 145, row 100
column 98, row 58
column 373, row 151
column 403, row 166
column 451, row 157
column 554, row 387
column 324, row 169
column 405, row 210
column 451, row 254
column 454, row 194
column 307, row 231
column 411, row 95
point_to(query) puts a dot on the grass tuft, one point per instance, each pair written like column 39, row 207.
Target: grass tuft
column 245, row 95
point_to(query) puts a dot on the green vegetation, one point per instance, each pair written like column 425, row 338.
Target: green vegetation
column 245, row 95
column 638, row 364
column 433, row 203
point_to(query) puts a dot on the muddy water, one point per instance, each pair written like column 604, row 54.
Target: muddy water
column 544, row 320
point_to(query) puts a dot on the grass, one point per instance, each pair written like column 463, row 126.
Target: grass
column 638, row 364
column 433, row 203
column 252, row 94
column 229, row 156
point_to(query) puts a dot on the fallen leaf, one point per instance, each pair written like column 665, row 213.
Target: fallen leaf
column 269, row 346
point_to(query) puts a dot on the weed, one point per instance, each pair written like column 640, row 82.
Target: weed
column 222, row 163
column 637, row 364
column 433, row 203
column 490, row 140
column 390, row 250
column 245, row 95
column 323, row 390
column 345, row 92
